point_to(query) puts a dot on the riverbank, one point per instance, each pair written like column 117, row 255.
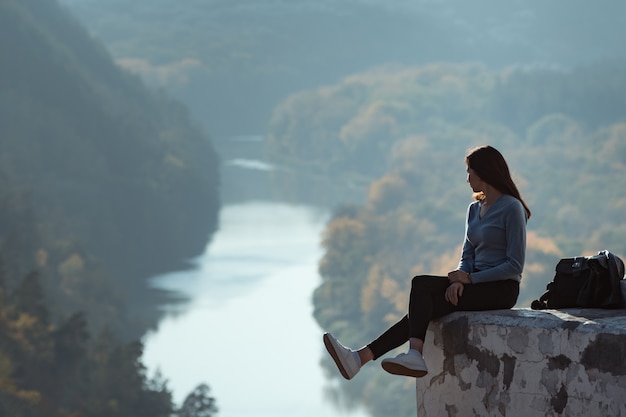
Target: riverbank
column 248, row 330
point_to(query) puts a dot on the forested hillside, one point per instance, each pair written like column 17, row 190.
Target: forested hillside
column 106, row 175
column 233, row 61
column 103, row 183
column 51, row 367
column 404, row 132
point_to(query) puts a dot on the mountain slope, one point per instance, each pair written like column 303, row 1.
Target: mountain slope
column 233, row 61
column 112, row 174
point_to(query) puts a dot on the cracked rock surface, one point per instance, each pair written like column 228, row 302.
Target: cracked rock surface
column 525, row 363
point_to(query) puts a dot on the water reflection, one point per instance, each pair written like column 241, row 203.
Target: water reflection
column 248, row 329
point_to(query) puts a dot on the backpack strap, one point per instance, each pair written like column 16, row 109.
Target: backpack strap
column 542, row 302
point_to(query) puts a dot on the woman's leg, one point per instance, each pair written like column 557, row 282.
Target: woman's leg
column 425, row 291
column 426, row 302
column 393, row 337
column 496, row 295
column 344, row 357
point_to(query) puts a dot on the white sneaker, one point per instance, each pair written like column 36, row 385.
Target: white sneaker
column 406, row 364
column 346, row 359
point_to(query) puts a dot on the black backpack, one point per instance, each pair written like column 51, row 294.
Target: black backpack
column 585, row 282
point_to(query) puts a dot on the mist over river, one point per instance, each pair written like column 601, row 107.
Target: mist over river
column 247, row 329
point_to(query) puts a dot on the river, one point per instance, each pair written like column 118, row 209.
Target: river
column 247, row 329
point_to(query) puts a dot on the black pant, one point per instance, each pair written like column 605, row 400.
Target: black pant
column 427, row 301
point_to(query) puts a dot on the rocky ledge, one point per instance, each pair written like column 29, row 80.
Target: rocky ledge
column 526, row 363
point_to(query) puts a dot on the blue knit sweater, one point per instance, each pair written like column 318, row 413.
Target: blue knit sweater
column 495, row 245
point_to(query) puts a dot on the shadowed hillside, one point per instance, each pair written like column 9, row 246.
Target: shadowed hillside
column 100, row 176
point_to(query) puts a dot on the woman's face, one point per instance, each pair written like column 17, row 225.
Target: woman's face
column 474, row 181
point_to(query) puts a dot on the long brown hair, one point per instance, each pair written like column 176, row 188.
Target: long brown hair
column 491, row 167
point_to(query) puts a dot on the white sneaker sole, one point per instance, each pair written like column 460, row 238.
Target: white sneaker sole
column 333, row 353
column 397, row 369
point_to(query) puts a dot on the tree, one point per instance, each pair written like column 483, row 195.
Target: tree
column 198, row 403
column 29, row 297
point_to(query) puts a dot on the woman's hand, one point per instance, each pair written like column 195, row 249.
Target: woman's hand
column 459, row 276
column 457, row 280
column 454, row 292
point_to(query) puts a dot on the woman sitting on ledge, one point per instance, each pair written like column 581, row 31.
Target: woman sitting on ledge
column 487, row 277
